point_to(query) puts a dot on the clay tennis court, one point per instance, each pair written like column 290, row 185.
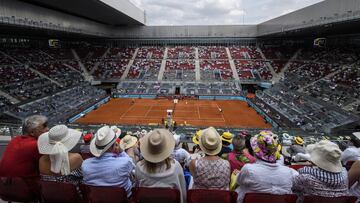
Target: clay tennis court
column 188, row 112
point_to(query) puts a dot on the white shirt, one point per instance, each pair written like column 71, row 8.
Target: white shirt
column 350, row 154
column 264, row 177
column 180, row 155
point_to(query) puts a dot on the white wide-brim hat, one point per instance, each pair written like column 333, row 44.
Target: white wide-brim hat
column 157, row 145
column 116, row 130
column 210, row 141
column 104, row 139
column 58, row 134
column 127, row 142
column 326, row 155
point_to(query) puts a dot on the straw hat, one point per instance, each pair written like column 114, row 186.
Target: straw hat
column 59, row 134
column 116, row 130
column 326, row 155
column 227, row 137
column 157, row 145
column 298, row 140
column 210, row 141
column 127, row 142
column 195, row 138
column 104, row 138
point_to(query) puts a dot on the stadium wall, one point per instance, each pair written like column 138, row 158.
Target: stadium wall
column 325, row 12
column 19, row 13
column 191, row 31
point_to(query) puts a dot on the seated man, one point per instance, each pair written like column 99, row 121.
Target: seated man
column 21, row 156
column 107, row 168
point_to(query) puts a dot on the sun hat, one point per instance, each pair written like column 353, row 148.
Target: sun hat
column 116, row 130
column 298, row 140
column 210, row 141
column 58, row 136
column 326, row 155
column 265, row 147
column 227, row 137
column 195, row 138
column 157, row 145
column 104, row 138
column 143, row 133
column 57, row 142
column 127, row 142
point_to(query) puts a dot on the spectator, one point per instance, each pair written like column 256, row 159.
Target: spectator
column 195, row 140
column 158, row 169
column 179, row 154
column 328, row 178
column 85, row 148
column 107, row 169
column 129, row 145
column 296, row 147
column 265, row 175
column 21, row 156
column 351, row 153
column 210, row 172
column 57, row 164
column 240, row 154
column 226, row 139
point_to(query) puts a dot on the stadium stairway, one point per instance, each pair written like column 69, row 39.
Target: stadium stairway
column 277, row 77
column 85, row 72
column 127, row 69
column 273, row 73
column 9, row 97
column 44, row 76
column 10, row 57
column 197, row 65
column 163, row 65
column 232, row 65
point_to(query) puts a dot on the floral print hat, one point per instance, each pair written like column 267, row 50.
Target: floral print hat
column 265, row 147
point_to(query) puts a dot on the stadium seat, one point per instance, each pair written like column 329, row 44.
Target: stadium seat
column 155, row 194
column 16, row 189
column 269, row 198
column 59, row 192
column 319, row 199
column 211, row 196
column 104, row 194
column 298, row 166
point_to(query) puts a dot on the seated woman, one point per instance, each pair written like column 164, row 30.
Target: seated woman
column 327, row 178
column 240, row 155
column 179, row 154
column 265, row 175
column 158, row 169
column 129, row 144
column 57, row 164
column 210, row 172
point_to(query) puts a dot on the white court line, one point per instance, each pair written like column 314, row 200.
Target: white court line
column 148, row 111
column 222, row 115
column 126, row 111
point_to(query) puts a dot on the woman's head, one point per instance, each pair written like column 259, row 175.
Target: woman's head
column 239, row 142
column 265, row 147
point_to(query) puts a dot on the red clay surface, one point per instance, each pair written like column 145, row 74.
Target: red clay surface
column 193, row 112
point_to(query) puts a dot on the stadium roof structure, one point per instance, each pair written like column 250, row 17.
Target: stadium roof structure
column 110, row 12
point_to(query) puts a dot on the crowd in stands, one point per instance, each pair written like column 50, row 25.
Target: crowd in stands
column 120, row 53
column 218, row 70
column 144, row 69
column 183, row 70
column 62, row 105
column 212, row 52
column 252, row 69
column 150, row 53
column 244, row 52
column 303, row 111
column 111, row 69
column 241, row 162
column 181, row 52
